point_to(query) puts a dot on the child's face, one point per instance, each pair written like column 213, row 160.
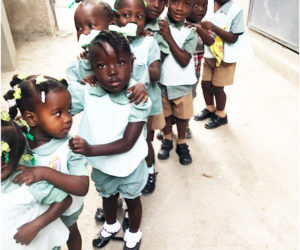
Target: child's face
column 53, row 118
column 6, row 169
column 88, row 17
column 112, row 71
column 178, row 10
column 132, row 11
column 155, row 8
column 198, row 11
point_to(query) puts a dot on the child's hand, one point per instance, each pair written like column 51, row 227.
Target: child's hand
column 164, row 30
column 82, row 55
column 79, row 146
column 26, row 233
column 90, row 79
column 208, row 25
column 138, row 94
column 146, row 33
column 29, row 175
column 192, row 25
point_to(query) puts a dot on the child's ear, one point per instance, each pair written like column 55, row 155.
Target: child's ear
column 30, row 117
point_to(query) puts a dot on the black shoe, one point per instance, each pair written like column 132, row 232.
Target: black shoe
column 125, row 224
column 99, row 216
column 136, row 247
column 150, row 186
column 188, row 134
column 184, row 154
column 204, row 114
column 102, row 241
column 160, row 135
column 164, row 152
column 215, row 122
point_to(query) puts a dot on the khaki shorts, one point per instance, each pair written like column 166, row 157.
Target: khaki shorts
column 181, row 107
column 218, row 76
column 156, row 121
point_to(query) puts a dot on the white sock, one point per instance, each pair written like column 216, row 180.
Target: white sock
column 151, row 169
column 109, row 229
column 132, row 239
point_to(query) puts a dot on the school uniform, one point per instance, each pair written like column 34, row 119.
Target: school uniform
column 177, row 82
column 105, row 117
column 23, row 204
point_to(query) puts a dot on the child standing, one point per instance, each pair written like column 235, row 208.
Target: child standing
column 29, row 214
column 177, row 77
column 146, row 52
column 45, row 105
column 113, row 139
column 219, row 66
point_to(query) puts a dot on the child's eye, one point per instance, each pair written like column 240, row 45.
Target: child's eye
column 78, row 28
column 121, row 62
column 141, row 17
column 101, row 65
column 187, row 4
column 126, row 15
column 91, row 26
column 196, row 5
column 58, row 114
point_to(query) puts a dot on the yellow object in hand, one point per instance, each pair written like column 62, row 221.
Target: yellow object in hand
column 217, row 49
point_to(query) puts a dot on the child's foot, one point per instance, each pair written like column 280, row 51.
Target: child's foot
column 215, row 121
column 132, row 240
column 107, row 233
column 188, row 134
column 150, row 186
column 204, row 114
column 184, row 154
column 164, row 152
column 99, row 216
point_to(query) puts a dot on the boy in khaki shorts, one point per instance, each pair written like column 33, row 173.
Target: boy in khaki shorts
column 227, row 25
column 177, row 77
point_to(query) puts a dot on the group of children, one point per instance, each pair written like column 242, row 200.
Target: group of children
column 137, row 74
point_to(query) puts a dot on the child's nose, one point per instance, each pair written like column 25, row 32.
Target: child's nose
column 112, row 70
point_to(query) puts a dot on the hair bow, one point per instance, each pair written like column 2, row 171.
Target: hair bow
column 85, row 40
column 128, row 30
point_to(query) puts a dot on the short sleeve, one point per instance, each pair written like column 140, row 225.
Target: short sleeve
column 77, row 164
column 154, row 52
column 46, row 193
column 237, row 24
column 190, row 42
column 140, row 112
column 75, row 88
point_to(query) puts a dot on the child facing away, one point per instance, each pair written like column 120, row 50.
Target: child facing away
column 29, row 213
column 45, row 104
column 177, row 77
column 227, row 27
column 112, row 138
column 146, row 52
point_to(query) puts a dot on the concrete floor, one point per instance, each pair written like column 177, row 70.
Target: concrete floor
column 240, row 192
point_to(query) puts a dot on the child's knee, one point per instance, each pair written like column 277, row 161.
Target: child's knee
column 206, row 85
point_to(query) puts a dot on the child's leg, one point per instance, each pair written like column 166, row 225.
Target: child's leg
column 110, row 206
column 181, row 129
column 135, row 213
column 74, row 242
column 220, row 100
column 168, row 128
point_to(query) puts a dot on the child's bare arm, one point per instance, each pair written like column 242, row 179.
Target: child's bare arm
column 131, row 134
column 72, row 184
column 181, row 56
column 28, row 231
column 204, row 34
column 225, row 35
column 154, row 71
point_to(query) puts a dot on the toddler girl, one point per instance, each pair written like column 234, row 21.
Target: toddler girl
column 29, row 214
column 45, row 104
column 113, row 137
column 146, row 52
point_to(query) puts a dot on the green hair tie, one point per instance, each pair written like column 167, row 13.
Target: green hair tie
column 30, row 136
column 5, row 149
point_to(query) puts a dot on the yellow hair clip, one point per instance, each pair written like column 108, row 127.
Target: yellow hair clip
column 22, row 76
column 39, row 79
column 5, row 116
column 17, row 94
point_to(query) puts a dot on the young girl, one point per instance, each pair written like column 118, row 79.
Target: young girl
column 45, row 104
column 29, row 214
column 146, row 52
column 227, row 25
column 113, row 139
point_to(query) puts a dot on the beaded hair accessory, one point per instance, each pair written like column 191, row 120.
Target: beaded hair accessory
column 5, row 116
column 28, row 157
column 5, row 149
column 38, row 80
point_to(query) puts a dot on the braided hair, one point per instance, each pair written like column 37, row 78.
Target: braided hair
column 13, row 136
column 31, row 91
column 116, row 40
